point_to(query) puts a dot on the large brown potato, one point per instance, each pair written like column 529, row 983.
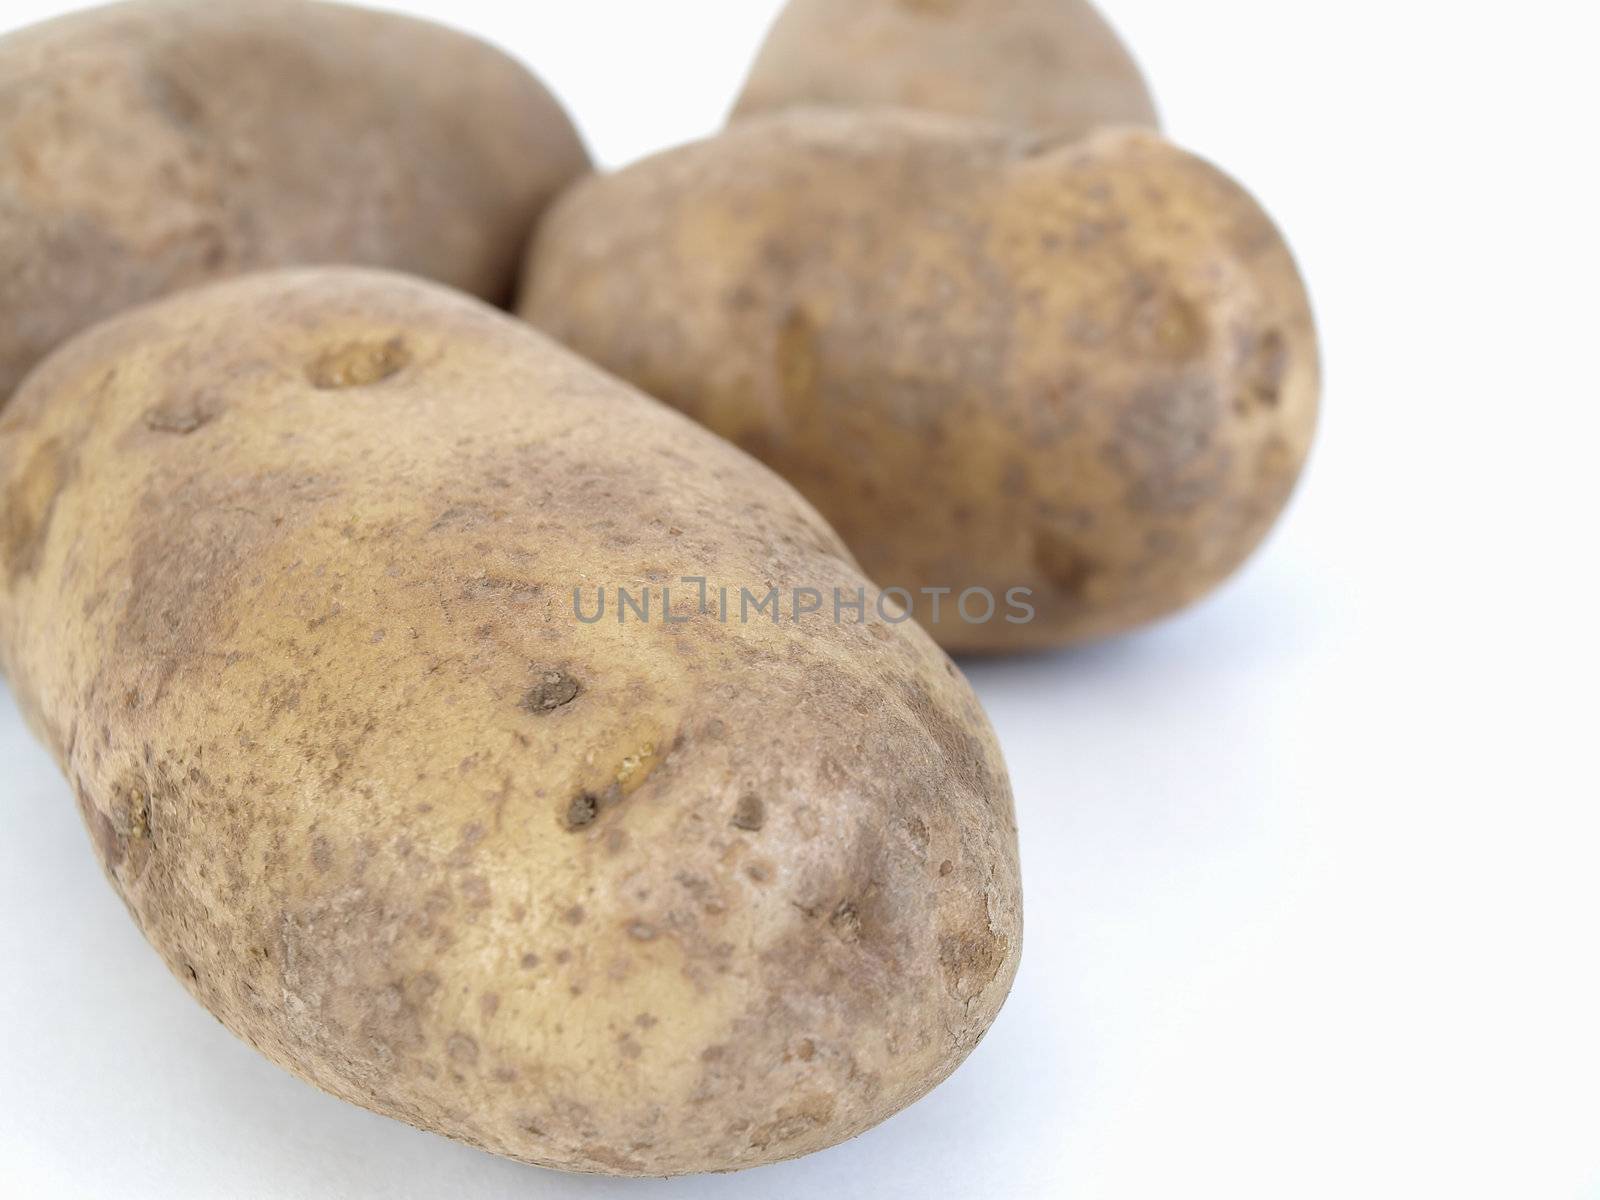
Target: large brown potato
column 287, row 572
column 1053, row 67
column 1087, row 371
column 151, row 145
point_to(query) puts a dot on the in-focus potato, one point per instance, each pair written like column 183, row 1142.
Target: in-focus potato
column 1052, row 67
column 156, row 144
column 287, row 574
column 1086, row 372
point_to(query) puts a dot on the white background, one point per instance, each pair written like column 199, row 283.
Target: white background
column 1313, row 873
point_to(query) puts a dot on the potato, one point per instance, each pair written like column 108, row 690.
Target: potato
column 157, row 144
column 287, row 582
column 1085, row 375
column 1053, row 67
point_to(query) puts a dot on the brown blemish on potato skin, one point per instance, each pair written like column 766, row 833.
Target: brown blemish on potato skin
column 1045, row 364
column 794, row 1120
column 30, row 505
column 1266, row 361
column 180, row 418
column 798, row 364
column 321, row 854
column 554, row 690
column 353, row 843
column 846, row 922
column 582, row 810
column 1067, row 568
column 970, row 959
column 750, row 814
column 107, row 840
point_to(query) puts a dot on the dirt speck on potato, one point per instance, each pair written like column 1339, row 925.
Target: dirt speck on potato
column 582, row 810
column 554, row 689
column 750, row 814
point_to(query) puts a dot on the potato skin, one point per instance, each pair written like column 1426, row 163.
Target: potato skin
column 157, row 144
column 1085, row 370
column 1052, row 67
column 286, row 583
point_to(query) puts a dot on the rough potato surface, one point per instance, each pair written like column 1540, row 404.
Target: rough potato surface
column 153, row 145
column 1087, row 370
column 1052, row 67
column 286, row 575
